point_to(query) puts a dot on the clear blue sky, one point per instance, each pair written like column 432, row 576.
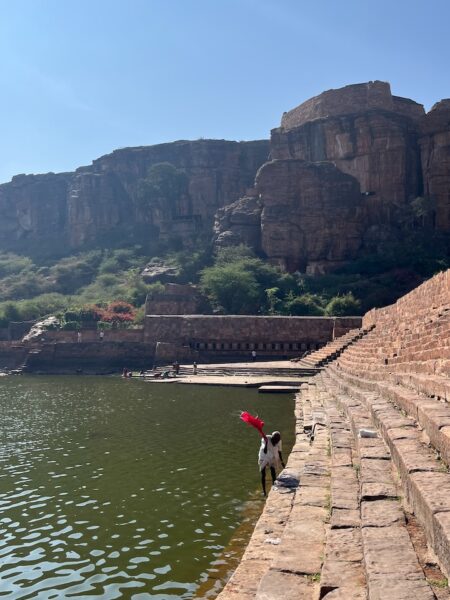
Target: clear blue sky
column 80, row 78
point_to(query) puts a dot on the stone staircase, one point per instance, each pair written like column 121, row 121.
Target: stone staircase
column 332, row 350
column 368, row 481
column 244, row 371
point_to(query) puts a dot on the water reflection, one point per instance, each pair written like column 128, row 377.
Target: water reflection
column 117, row 489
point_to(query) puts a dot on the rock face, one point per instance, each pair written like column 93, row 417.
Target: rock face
column 435, row 152
column 301, row 199
column 333, row 182
column 72, row 210
column 310, row 216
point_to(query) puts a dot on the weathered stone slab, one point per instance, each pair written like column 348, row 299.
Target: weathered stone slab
column 379, row 451
column 381, row 513
column 344, row 488
column 314, row 481
column 344, row 517
column 399, row 588
column 441, row 544
column 289, row 586
column 375, row 470
column 301, row 547
column 390, row 557
column 429, row 493
column 348, row 577
column 411, row 456
column 444, row 447
column 312, row 496
column 341, row 457
column 345, row 593
column 344, row 545
column 245, row 580
column 375, row 491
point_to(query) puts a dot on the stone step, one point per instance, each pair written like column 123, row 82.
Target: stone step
column 252, row 575
column 295, row 569
column 432, row 415
column 424, row 479
column 376, row 535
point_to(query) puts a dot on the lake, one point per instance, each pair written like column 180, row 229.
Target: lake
column 113, row 488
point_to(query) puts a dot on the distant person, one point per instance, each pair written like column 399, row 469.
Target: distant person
column 253, row 355
column 194, row 368
column 125, row 372
column 102, row 335
column 270, row 456
column 79, row 337
column 176, row 367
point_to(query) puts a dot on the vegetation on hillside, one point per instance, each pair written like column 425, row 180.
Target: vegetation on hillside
column 234, row 280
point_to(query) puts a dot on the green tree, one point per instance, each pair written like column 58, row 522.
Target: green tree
column 231, row 289
column 306, row 305
column 341, row 306
column 273, row 300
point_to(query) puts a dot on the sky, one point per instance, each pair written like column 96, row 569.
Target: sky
column 80, row 78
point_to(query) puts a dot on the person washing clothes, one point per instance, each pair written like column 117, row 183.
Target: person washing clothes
column 270, row 456
column 270, row 451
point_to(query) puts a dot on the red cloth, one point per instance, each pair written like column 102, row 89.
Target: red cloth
column 255, row 422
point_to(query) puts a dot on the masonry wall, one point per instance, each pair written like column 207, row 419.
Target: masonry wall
column 432, row 295
column 235, row 334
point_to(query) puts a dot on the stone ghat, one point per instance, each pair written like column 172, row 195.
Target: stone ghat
column 362, row 509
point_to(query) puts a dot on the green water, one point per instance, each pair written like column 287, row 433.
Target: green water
column 113, row 488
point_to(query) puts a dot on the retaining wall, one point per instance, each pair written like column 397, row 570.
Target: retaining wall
column 213, row 335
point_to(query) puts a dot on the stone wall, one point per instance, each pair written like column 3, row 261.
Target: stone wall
column 433, row 295
column 239, row 335
column 362, row 97
column 175, row 300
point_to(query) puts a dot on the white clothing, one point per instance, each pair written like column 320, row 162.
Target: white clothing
column 271, row 458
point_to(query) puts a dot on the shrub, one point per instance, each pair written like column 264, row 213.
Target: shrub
column 120, row 307
column 306, row 305
column 341, row 306
column 90, row 313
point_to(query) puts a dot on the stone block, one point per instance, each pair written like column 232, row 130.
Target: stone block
column 381, row 513
column 289, row 586
column 308, row 525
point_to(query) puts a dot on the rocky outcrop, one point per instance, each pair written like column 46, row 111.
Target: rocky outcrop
column 362, row 97
column 378, row 148
column 33, row 211
column 366, row 132
column 240, row 223
column 435, row 152
column 100, row 203
column 308, row 218
column 311, row 217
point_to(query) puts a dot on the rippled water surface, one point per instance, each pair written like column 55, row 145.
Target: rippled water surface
column 113, row 488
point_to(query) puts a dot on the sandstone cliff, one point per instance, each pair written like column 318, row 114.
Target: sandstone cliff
column 57, row 212
column 391, row 153
column 335, row 180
